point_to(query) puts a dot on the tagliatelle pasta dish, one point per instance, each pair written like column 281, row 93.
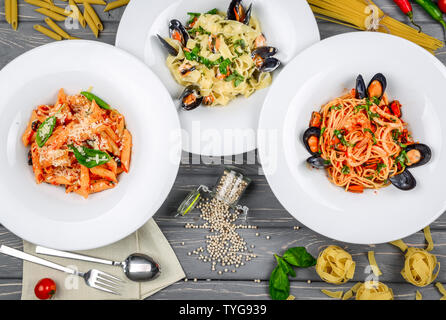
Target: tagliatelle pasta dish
column 218, row 56
column 80, row 142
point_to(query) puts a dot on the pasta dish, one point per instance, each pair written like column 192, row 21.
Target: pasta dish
column 362, row 141
column 218, row 56
column 80, row 142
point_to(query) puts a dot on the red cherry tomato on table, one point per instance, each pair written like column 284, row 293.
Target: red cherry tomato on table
column 442, row 5
column 45, row 289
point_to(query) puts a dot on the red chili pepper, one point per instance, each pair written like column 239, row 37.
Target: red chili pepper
column 406, row 8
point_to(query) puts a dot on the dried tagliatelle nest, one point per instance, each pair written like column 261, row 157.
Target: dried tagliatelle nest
column 419, row 267
column 374, row 290
column 335, row 265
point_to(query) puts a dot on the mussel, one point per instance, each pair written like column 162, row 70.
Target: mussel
column 191, row 98
column 311, row 140
column 377, row 86
column 171, row 50
column 318, row 162
column 237, row 12
column 178, row 32
column 361, row 91
column 404, row 181
column 418, row 155
column 264, row 60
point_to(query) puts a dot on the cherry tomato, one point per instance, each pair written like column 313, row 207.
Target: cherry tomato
column 45, row 289
column 442, row 5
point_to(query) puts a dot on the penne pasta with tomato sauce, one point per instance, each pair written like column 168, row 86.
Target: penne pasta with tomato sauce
column 80, row 143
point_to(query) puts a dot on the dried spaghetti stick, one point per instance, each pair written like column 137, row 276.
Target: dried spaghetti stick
column 333, row 294
column 77, row 14
column 8, row 11
column 14, row 15
column 373, row 264
column 428, row 236
column 418, row 296
column 48, row 32
column 53, row 15
column 400, row 244
column 115, row 4
column 57, row 29
column 91, row 24
column 93, row 16
column 442, row 290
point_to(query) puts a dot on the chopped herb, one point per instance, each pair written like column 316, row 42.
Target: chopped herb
column 223, row 67
column 380, row 167
column 213, row 11
column 376, row 101
column 327, row 162
column 323, row 130
column 193, row 16
column 373, row 135
column 345, row 170
column 402, row 159
column 236, row 77
column 341, row 137
column 396, row 135
column 199, row 30
column 338, row 107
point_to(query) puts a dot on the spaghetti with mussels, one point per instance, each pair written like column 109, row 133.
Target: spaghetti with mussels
column 363, row 142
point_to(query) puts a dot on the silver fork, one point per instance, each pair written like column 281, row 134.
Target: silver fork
column 93, row 278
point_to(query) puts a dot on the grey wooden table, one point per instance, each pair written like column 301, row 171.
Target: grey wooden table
column 266, row 212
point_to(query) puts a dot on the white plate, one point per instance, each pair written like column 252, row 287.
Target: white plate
column 323, row 72
column 288, row 25
column 44, row 214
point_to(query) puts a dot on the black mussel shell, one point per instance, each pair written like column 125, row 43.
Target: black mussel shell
column 264, row 52
column 381, row 79
column 236, row 6
column 318, row 162
column 311, row 132
column 195, row 103
column 176, row 25
column 269, row 65
column 171, row 50
column 425, row 151
column 361, row 90
column 404, row 181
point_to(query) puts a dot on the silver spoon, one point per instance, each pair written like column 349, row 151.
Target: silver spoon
column 137, row 267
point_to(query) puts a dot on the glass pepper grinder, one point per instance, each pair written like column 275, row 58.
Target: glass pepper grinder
column 229, row 189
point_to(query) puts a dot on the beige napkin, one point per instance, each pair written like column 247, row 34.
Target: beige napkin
column 148, row 240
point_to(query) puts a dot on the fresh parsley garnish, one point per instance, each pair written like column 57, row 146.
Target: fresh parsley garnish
column 341, row 137
column 236, row 77
column 345, row 170
column 373, row 135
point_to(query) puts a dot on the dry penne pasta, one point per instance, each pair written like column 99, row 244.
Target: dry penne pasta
column 115, row 4
column 50, row 2
column 46, row 5
column 101, row 2
column 74, row 143
column 14, row 15
column 8, row 11
column 77, row 14
column 47, row 32
column 91, row 24
column 57, row 29
column 88, row 8
column 53, row 15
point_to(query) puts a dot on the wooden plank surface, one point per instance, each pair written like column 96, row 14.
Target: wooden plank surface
column 266, row 212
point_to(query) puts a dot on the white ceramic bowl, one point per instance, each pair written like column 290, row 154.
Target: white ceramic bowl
column 44, row 214
column 288, row 25
column 414, row 77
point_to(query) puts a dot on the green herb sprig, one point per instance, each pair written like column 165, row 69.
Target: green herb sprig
column 279, row 284
column 89, row 158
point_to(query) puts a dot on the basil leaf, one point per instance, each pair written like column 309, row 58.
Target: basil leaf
column 89, row 158
column 45, row 130
column 101, row 103
column 285, row 266
column 279, row 285
column 299, row 257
